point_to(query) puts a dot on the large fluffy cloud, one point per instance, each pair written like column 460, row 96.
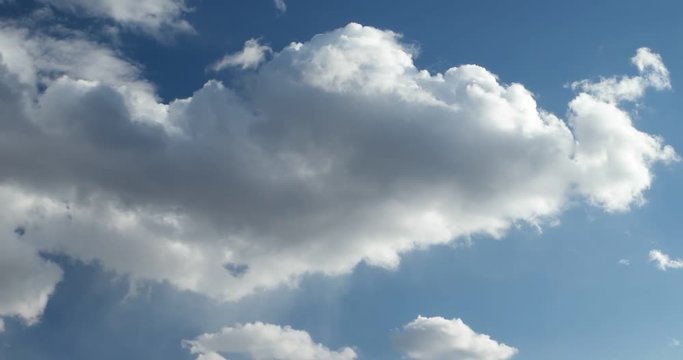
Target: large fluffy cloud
column 436, row 338
column 259, row 341
column 336, row 151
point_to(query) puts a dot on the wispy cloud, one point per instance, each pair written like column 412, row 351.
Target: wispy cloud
column 251, row 56
column 155, row 17
column 281, row 5
column 664, row 262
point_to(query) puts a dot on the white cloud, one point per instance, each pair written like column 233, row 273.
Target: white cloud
column 664, row 262
column 152, row 16
column 339, row 151
column 674, row 342
column 436, row 338
column 26, row 280
column 259, row 341
column 630, row 88
column 281, row 5
column 625, row 262
column 250, row 57
column 613, row 156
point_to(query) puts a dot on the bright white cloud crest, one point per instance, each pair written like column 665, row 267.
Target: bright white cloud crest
column 339, row 151
column 436, row 338
column 259, row 341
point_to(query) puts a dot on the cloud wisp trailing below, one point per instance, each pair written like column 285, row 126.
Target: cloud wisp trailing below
column 338, row 151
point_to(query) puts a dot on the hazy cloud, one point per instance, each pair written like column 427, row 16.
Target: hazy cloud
column 281, row 5
column 151, row 16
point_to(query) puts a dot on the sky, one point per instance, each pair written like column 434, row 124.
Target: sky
column 335, row 180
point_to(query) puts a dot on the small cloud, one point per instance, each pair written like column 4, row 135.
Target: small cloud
column 2, row 322
column 263, row 341
column 281, row 5
column 250, row 57
column 625, row 262
column 674, row 342
column 664, row 262
column 433, row 338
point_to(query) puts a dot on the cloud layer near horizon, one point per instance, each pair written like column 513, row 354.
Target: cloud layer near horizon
column 339, row 151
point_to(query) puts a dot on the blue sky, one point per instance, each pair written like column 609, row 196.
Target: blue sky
column 366, row 205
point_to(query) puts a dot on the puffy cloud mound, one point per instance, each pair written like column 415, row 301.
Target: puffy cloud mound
column 338, row 151
column 436, row 338
column 152, row 16
column 259, row 341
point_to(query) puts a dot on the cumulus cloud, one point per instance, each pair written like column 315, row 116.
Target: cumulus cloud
column 436, row 338
column 664, row 261
column 338, row 151
column 259, row 341
column 152, row 16
column 251, row 56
